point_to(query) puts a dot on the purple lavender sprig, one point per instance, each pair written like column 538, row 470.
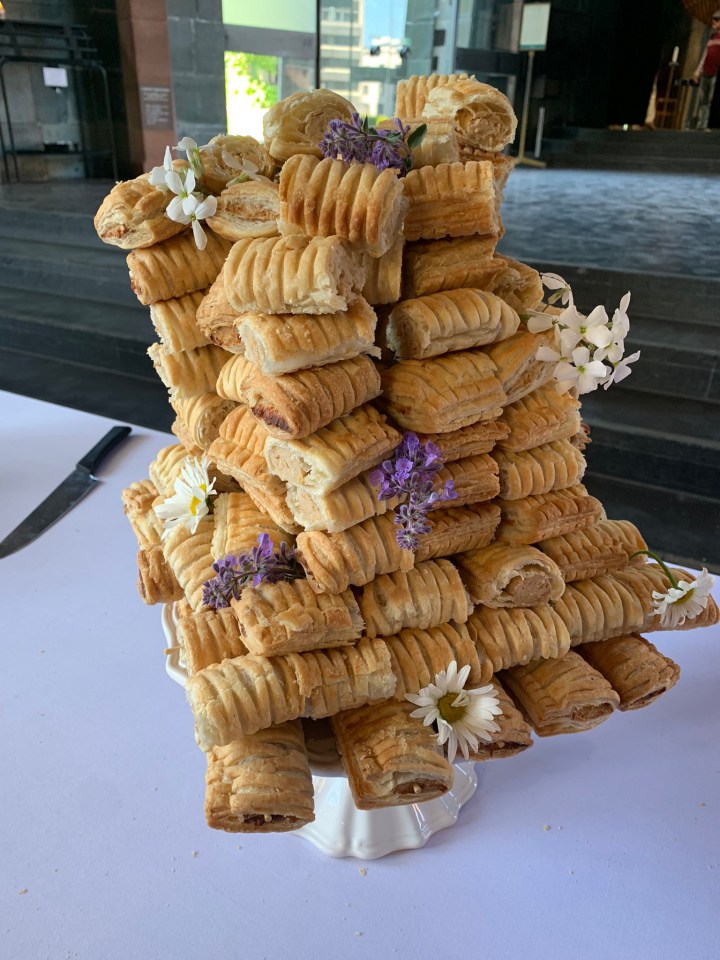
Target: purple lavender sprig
column 234, row 573
column 355, row 141
column 411, row 473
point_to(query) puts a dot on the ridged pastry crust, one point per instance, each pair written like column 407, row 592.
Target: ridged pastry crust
column 290, row 617
column 483, row 115
column 548, row 515
column 261, row 783
column 175, row 322
column 208, row 637
column 503, row 164
column 630, row 538
column 451, row 200
column 247, row 209
column 297, row 123
column 518, row 369
column 166, row 467
column 589, row 553
column 426, row 596
column 418, row 655
column 552, row 466
column 649, row 577
column 329, row 458
column 241, row 696
column 292, row 275
column 202, row 416
column 438, row 145
column 475, row 479
column 156, row 581
column 190, row 373
column 599, row 609
column 561, row 696
column 444, row 393
column 506, row 575
column 383, row 275
column 541, row 417
column 175, row 267
column 390, row 757
column 335, row 561
column 356, row 202
column 517, row 284
column 353, row 502
column 518, row 634
column 412, row 94
column 442, row 322
column 514, row 734
column 287, row 343
column 223, row 156
column 458, row 529
column 294, row 405
column 190, row 558
column 468, row 441
column 217, row 320
column 137, row 501
column 239, row 522
column 132, row 215
column 634, row 668
column 435, row 265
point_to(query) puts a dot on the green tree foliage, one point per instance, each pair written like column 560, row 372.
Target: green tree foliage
column 255, row 75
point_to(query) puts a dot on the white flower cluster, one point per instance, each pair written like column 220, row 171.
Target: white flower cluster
column 188, row 205
column 590, row 350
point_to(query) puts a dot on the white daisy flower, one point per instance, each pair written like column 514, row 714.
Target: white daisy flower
column 682, row 601
column 463, row 716
column 189, row 504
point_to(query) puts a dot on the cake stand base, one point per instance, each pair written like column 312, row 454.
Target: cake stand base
column 341, row 830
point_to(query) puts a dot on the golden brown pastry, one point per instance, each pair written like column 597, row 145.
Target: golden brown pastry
column 175, row 323
column 383, row 275
column 156, row 582
column 132, row 215
column 217, row 319
column 552, row 466
column 247, row 209
column 518, row 634
column 418, row 655
column 137, row 501
column 451, row 200
column 412, row 94
column 289, row 617
column 238, row 523
column 599, row 608
column 426, row 596
column 297, row 123
column 517, row 284
column 224, row 156
column 540, row 417
column 514, row 734
column 442, row 322
column 351, row 503
column 518, row 369
column 503, row 164
column 444, row 393
column 238, row 697
column 175, row 267
column 561, row 696
column 202, row 416
column 390, row 757
column 356, row 202
column 548, row 515
column 467, row 441
column 261, row 783
column 458, row 529
column 208, row 637
column 474, row 478
column 483, row 115
column 589, row 553
column 166, row 467
column 330, row 457
column 335, row 561
column 435, row 265
column 292, row 275
column 190, row 373
column 190, row 558
column 630, row 538
column 510, row 575
column 649, row 577
column 634, row 668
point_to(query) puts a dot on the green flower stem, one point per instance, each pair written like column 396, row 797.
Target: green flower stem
column 666, row 569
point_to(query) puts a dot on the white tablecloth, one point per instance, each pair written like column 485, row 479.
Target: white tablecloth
column 605, row 844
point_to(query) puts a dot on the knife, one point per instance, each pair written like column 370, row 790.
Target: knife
column 66, row 496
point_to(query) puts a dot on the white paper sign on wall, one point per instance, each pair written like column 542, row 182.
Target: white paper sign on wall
column 534, row 27
column 55, row 76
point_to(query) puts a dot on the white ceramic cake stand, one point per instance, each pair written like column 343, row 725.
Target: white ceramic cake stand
column 339, row 828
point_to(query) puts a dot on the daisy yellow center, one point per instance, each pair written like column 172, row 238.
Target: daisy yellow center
column 448, row 712
column 195, row 502
column 685, row 596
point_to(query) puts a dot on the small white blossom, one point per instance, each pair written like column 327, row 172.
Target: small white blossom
column 182, row 186
column 189, row 504
column 683, row 602
column 158, row 175
column 582, row 372
column 621, row 369
column 563, row 292
column 193, row 210
column 463, row 716
column 592, row 329
column 192, row 151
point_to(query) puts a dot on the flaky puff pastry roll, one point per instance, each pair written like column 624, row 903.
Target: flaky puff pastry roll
column 168, row 463
column 418, row 655
column 328, row 198
column 507, row 575
column 434, row 265
column 451, row 200
column 518, row 634
column 552, row 466
column 247, row 209
column 290, row 617
column 458, row 529
column 634, row 668
column 444, row 393
column 648, row 578
column 332, row 456
column 383, row 275
column 474, row 480
column 190, row 558
column 202, row 415
column 589, row 553
column 426, row 596
column 156, row 581
column 297, row 123
column 292, row 275
column 563, row 695
column 335, row 561
column 217, row 319
column 137, row 501
column 548, row 515
column 239, row 522
column 412, row 94
column 514, row 734
column 390, row 757
column 175, row 267
column 132, row 215
column 599, row 608
column 443, row 322
column 190, row 373
column 468, row 441
column 261, row 783
column 223, row 157
column 543, row 416
column 176, row 324
column 518, row 369
column 208, row 637
column 351, row 503
column 517, row 284
column 241, row 696
column 294, row 405
column 483, row 115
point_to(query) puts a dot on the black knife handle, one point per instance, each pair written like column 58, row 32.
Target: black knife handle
column 92, row 459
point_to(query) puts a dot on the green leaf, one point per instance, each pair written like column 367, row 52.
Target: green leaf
column 416, row 137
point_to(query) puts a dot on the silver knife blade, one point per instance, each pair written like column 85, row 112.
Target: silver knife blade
column 63, row 498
